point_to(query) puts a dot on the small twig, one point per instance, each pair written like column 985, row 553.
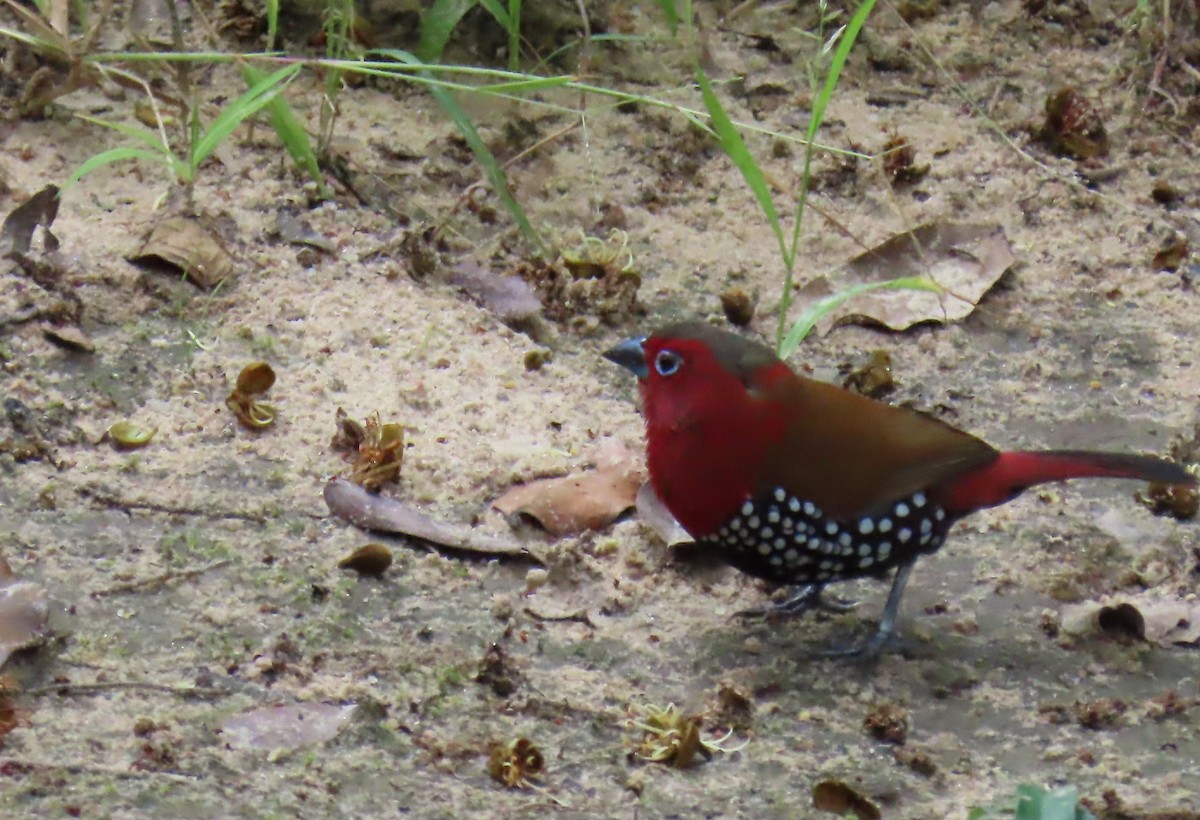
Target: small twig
column 144, row 686
column 113, row 502
column 10, row 764
column 158, row 580
column 580, row 617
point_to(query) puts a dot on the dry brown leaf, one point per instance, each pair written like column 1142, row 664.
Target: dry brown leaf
column 188, row 246
column 965, row 260
column 16, row 234
column 24, row 608
column 576, row 503
column 654, row 514
column 285, row 727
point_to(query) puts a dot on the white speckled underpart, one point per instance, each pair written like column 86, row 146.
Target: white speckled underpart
column 790, row 540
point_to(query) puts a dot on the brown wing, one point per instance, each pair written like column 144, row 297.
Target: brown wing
column 851, row 455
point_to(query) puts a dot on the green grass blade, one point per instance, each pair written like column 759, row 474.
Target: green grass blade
column 735, row 147
column 483, row 155
column 670, row 14
column 840, row 55
column 116, row 155
column 244, row 106
column 289, row 129
column 499, row 12
column 152, row 139
column 808, row 319
column 272, row 23
column 438, row 24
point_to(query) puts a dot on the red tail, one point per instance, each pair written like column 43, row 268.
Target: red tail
column 1013, row 473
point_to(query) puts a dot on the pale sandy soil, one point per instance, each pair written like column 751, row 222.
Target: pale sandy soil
column 1082, row 344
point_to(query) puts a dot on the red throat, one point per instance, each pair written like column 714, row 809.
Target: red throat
column 706, row 434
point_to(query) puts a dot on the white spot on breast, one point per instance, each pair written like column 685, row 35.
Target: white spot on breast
column 845, row 540
column 926, row 526
column 884, row 550
column 764, row 549
column 814, row 544
column 776, row 561
column 866, row 526
column 901, row 509
column 925, row 540
column 780, row 544
column 939, row 514
column 767, row 532
column 754, row 523
column 866, row 562
column 748, row 508
column 918, row 500
column 904, row 534
column 773, row 516
column 794, row 504
column 864, row 550
column 735, row 524
column 885, row 525
column 810, row 509
column 791, row 556
column 780, row 494
column 831, row 528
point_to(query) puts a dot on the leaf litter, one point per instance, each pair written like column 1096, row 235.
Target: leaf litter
column 963, row 261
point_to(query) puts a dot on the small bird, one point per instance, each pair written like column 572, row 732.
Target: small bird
column 804, row 483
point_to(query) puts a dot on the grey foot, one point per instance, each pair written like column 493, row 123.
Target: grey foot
column 809, row 597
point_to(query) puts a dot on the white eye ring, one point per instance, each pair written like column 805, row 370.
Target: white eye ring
column 667, row 363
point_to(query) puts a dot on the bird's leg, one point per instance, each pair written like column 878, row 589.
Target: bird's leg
column 804, row 598
column 872, row 646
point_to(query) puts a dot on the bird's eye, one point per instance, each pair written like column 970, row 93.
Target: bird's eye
column 667, row 363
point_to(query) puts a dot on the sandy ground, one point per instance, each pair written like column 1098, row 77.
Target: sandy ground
column 1082, row 344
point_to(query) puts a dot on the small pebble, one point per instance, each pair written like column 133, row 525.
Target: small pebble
column 535, row 578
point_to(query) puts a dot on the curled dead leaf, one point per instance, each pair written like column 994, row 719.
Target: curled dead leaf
column 840, row 798
column 1164, row 621
column 963, row 260
column 186, row 245
column 286, row 727
column 24, row 610
column 573, row 504
column 369, row 559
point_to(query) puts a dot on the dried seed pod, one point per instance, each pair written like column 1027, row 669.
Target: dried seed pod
column 369, row 559
column 127, row 435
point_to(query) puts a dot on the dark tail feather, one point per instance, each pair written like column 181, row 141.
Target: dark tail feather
column 1013, row 473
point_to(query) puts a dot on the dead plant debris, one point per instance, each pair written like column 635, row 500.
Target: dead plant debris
column 887, row 722
column 591, row 279
column 840, row 798
column 24, row 610
column 190, row 247
column 516, row 763
column 1073, row 126
column 577, row 503
column 376, row 512
column 375, row 448
column 369, row 559
column 128, row 435
column 965, row 261
column 669, row 736
column 254, row 380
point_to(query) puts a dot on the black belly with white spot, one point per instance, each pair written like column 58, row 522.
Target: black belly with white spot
column 788, row 540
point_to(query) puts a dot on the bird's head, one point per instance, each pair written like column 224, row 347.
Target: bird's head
column 684, row 368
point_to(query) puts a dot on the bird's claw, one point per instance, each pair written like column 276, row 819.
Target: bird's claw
column 806, row 598
column 864, row 652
